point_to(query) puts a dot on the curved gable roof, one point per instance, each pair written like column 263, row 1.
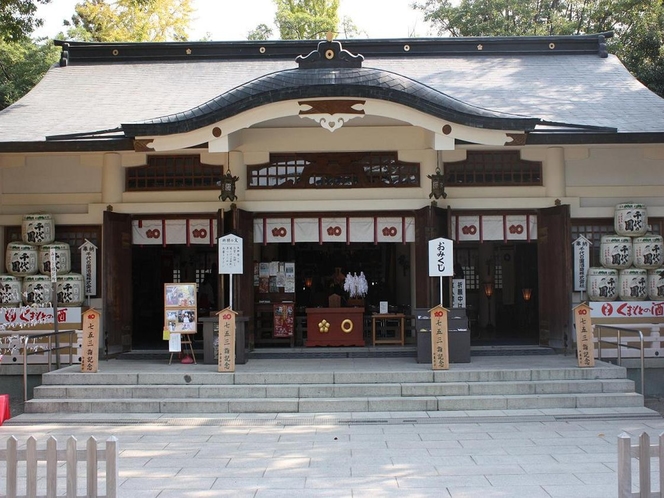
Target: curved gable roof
column 331, row 82
column 507, row 82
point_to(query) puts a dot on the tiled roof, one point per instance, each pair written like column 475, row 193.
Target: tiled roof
column 575, row 88
column 351, row 82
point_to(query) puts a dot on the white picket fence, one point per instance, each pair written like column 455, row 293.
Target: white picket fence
column 27, row 462
column 643, row 452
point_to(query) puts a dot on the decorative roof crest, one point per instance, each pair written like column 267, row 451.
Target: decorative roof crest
column 329, row 54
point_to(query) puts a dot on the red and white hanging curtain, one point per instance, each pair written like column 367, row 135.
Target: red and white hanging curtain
column 194, row 231
column 494, row 227
column 334, row 229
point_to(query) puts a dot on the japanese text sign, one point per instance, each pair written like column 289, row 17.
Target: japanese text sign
column 440, row 358
column 440, row 258
column 585, row 348
column 581, row 262
column 226, row 359
column 90, row 345
column 89, row 267
column 230, row 255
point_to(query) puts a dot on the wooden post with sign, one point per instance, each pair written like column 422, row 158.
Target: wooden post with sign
column 440, row 357
column 441, row 260
column 90, row 349
column 585, row 347
column 226, row 340
column 230, row 259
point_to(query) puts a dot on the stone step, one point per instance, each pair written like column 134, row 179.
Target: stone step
column 325, row 405
column 333, row 390
column 193, row 377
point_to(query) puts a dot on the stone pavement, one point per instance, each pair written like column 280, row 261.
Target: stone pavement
column 357, row 454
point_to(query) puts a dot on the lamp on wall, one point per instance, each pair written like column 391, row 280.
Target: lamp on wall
column 527, row 294
column 437, row 184
column 488, row 292
column 227, row 184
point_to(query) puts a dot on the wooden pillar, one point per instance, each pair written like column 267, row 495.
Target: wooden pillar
column 554, row 173
column 112, row 178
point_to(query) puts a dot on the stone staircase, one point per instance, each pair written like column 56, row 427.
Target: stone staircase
column 132, row 387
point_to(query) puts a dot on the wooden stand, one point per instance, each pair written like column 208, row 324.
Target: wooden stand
column 186, row 341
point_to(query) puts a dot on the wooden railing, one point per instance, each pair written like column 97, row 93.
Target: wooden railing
column 27, row 461
column 643, row 452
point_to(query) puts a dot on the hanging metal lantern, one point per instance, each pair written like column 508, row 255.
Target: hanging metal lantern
column 227, row 184
column 437, row 185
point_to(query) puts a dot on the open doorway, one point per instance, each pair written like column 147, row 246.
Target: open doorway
column 501, row 291
column 153, row 266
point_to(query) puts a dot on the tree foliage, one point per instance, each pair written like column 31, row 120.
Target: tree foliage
column 130, row 20
column 638, row 25
column 17, row 19
column 260, row 33
column 306, row 19
column 22, row 65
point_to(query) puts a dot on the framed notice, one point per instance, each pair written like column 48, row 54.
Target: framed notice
column 180, row 309
column 284, row 319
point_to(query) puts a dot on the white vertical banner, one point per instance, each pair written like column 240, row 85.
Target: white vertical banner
column 581, row 261
column 89, row 267
column 441, row 262
column 459, row 293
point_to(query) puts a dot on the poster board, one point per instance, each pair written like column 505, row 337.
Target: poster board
column 284, row 319
column 180, row 308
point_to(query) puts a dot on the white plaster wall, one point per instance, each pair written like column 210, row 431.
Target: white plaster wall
column 598, row 178
column 47, row 174
column 70, row 186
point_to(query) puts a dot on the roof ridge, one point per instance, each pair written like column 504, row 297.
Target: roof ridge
column 86, row 52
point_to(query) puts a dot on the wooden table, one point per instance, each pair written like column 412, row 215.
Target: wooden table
column 335, row 327
column 386, row 317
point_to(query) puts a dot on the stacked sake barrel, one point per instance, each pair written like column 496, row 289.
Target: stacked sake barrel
column 631, row 260
column 28, row 264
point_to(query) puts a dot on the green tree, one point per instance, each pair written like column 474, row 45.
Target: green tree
column 261, row 33
column 306, row 19
column 638, row 25
column 22, row 65
column 18, row 18
column 130, row 20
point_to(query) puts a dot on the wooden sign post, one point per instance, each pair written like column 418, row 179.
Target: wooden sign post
column 226, row 340
column 585, row 347
column 230, row 260
column 440, row 357
column 441, row 260
column 90, row 349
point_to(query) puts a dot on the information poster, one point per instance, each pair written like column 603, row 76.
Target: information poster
column 284, row 319
column 180, row 309
column 174, row 343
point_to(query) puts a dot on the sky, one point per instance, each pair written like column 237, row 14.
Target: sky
column 232, row 20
